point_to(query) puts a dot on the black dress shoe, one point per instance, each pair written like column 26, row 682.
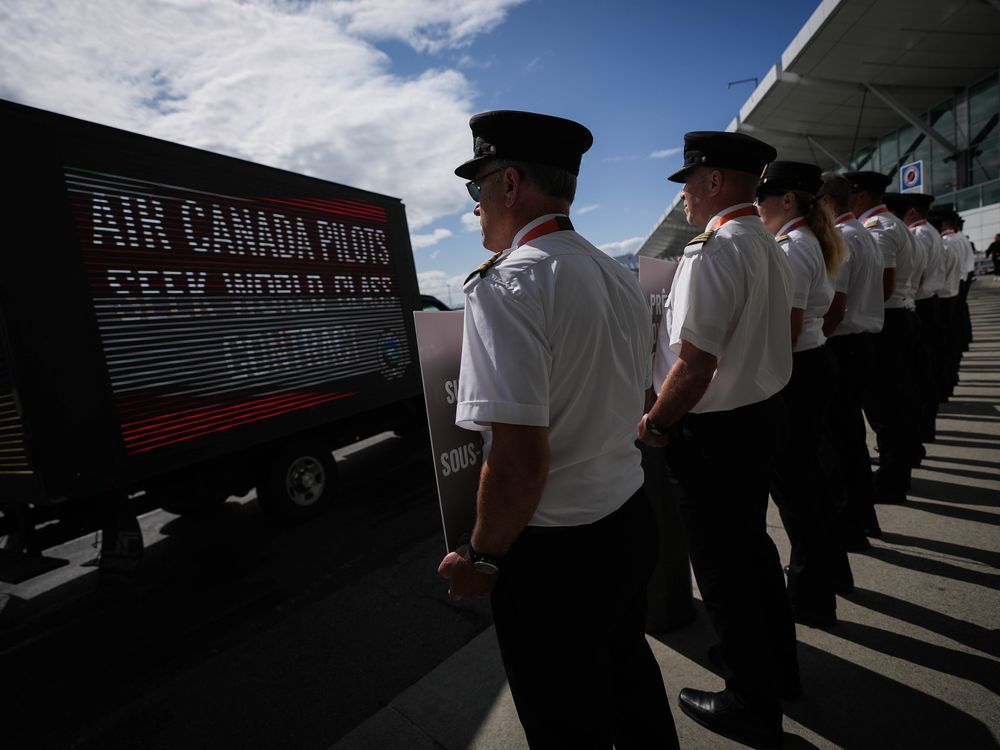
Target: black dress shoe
column 726, row 713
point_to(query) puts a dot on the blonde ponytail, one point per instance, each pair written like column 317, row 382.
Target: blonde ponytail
column 821, row 224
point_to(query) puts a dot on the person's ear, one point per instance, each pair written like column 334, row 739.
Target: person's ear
column 513, row 185
column 715, row 181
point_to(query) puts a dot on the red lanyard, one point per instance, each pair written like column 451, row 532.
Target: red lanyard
column 844, row 217
column 738, row 213
column 796, row 225
column 556, row 224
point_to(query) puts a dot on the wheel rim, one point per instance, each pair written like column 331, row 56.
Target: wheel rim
column 305, row 481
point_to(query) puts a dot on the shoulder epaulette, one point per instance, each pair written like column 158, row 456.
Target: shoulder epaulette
column 483, row 268
column 871, row 223
column 781, row 238
column 701, row 238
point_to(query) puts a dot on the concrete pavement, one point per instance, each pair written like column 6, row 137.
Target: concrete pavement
column 914, row 661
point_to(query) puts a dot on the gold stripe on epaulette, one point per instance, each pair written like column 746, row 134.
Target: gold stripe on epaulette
column 700, row 239
column 484, row 267
column 781, row 238
column 871, row 223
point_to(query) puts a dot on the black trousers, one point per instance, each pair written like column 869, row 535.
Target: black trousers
column 801, row 486
column 929, row 355
column 570, row 612
column 848, row 436
column 950, row 347
column 890, row 401
column 964, row 318
column 724, row 460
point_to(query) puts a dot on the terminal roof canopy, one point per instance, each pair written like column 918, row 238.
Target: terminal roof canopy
column 856, row 70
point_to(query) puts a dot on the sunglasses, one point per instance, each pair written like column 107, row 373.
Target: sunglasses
column 473, row 186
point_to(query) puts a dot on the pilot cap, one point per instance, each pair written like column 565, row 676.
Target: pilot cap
column 876, row 182
column 738, row 151
column 784, row 176
column 527, row 137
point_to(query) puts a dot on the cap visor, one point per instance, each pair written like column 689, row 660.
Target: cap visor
column 681, row 174
column 468, row 170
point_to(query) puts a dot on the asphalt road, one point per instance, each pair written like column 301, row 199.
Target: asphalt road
column 238, row 633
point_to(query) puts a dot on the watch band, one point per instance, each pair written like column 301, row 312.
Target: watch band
column 654, row 429
column 484, row 563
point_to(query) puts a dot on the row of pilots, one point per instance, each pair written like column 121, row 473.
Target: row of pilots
column 878, row 323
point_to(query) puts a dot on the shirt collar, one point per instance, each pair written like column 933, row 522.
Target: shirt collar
column 721, row 214
column 880, row 208
column 793, row 224
column 531, row 225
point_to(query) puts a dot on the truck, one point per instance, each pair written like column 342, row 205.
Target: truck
column 189, row 325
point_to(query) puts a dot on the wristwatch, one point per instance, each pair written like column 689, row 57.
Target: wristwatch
column 484, row 563
column 654, row 429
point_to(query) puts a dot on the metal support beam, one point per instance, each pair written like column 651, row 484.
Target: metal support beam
column 840, row 162
column 913, row 119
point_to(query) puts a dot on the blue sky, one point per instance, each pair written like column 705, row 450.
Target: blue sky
column 377, row 93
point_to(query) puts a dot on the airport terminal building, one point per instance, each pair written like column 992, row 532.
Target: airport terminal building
column 910, row 88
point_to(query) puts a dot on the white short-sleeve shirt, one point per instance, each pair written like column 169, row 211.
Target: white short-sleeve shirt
column 731, row 297
column 929, row 239
column 954, row 261
column 899, row 251
column 969, row 254
column 865, row 311
column 813, row 286
column 557, row 335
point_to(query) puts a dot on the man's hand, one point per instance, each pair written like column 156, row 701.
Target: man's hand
column 645, row 436
column 466, row 581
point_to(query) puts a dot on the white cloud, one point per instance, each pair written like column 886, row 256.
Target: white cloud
column 587, row 209
column 471, row 222
column 441, row 285
column 294, row 85
column 420, row 241
column 624, row 246
column 427, row 26
column 666, row 152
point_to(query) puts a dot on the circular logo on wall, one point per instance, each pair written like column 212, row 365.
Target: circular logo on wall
column 391, row 357
column 911, row 177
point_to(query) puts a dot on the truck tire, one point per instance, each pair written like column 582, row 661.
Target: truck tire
column 299, row 483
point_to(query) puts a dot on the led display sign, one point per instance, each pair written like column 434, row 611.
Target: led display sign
column 221, row 310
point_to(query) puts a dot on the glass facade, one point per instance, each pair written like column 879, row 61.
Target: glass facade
column 970, row 120
column 942, row 166
column 984, row 135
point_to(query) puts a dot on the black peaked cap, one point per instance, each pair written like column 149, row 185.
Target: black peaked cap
column 783, row 176
column 527, row 137
column 898, row 203
column 874, row 181
column 738, row 151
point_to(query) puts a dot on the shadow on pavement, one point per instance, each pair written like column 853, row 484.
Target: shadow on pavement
column 934, row 567
column 953, row 511
column 945, row 660
column 961, row 631
column 854, row 707
column 961, row 494
column 982, row 556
